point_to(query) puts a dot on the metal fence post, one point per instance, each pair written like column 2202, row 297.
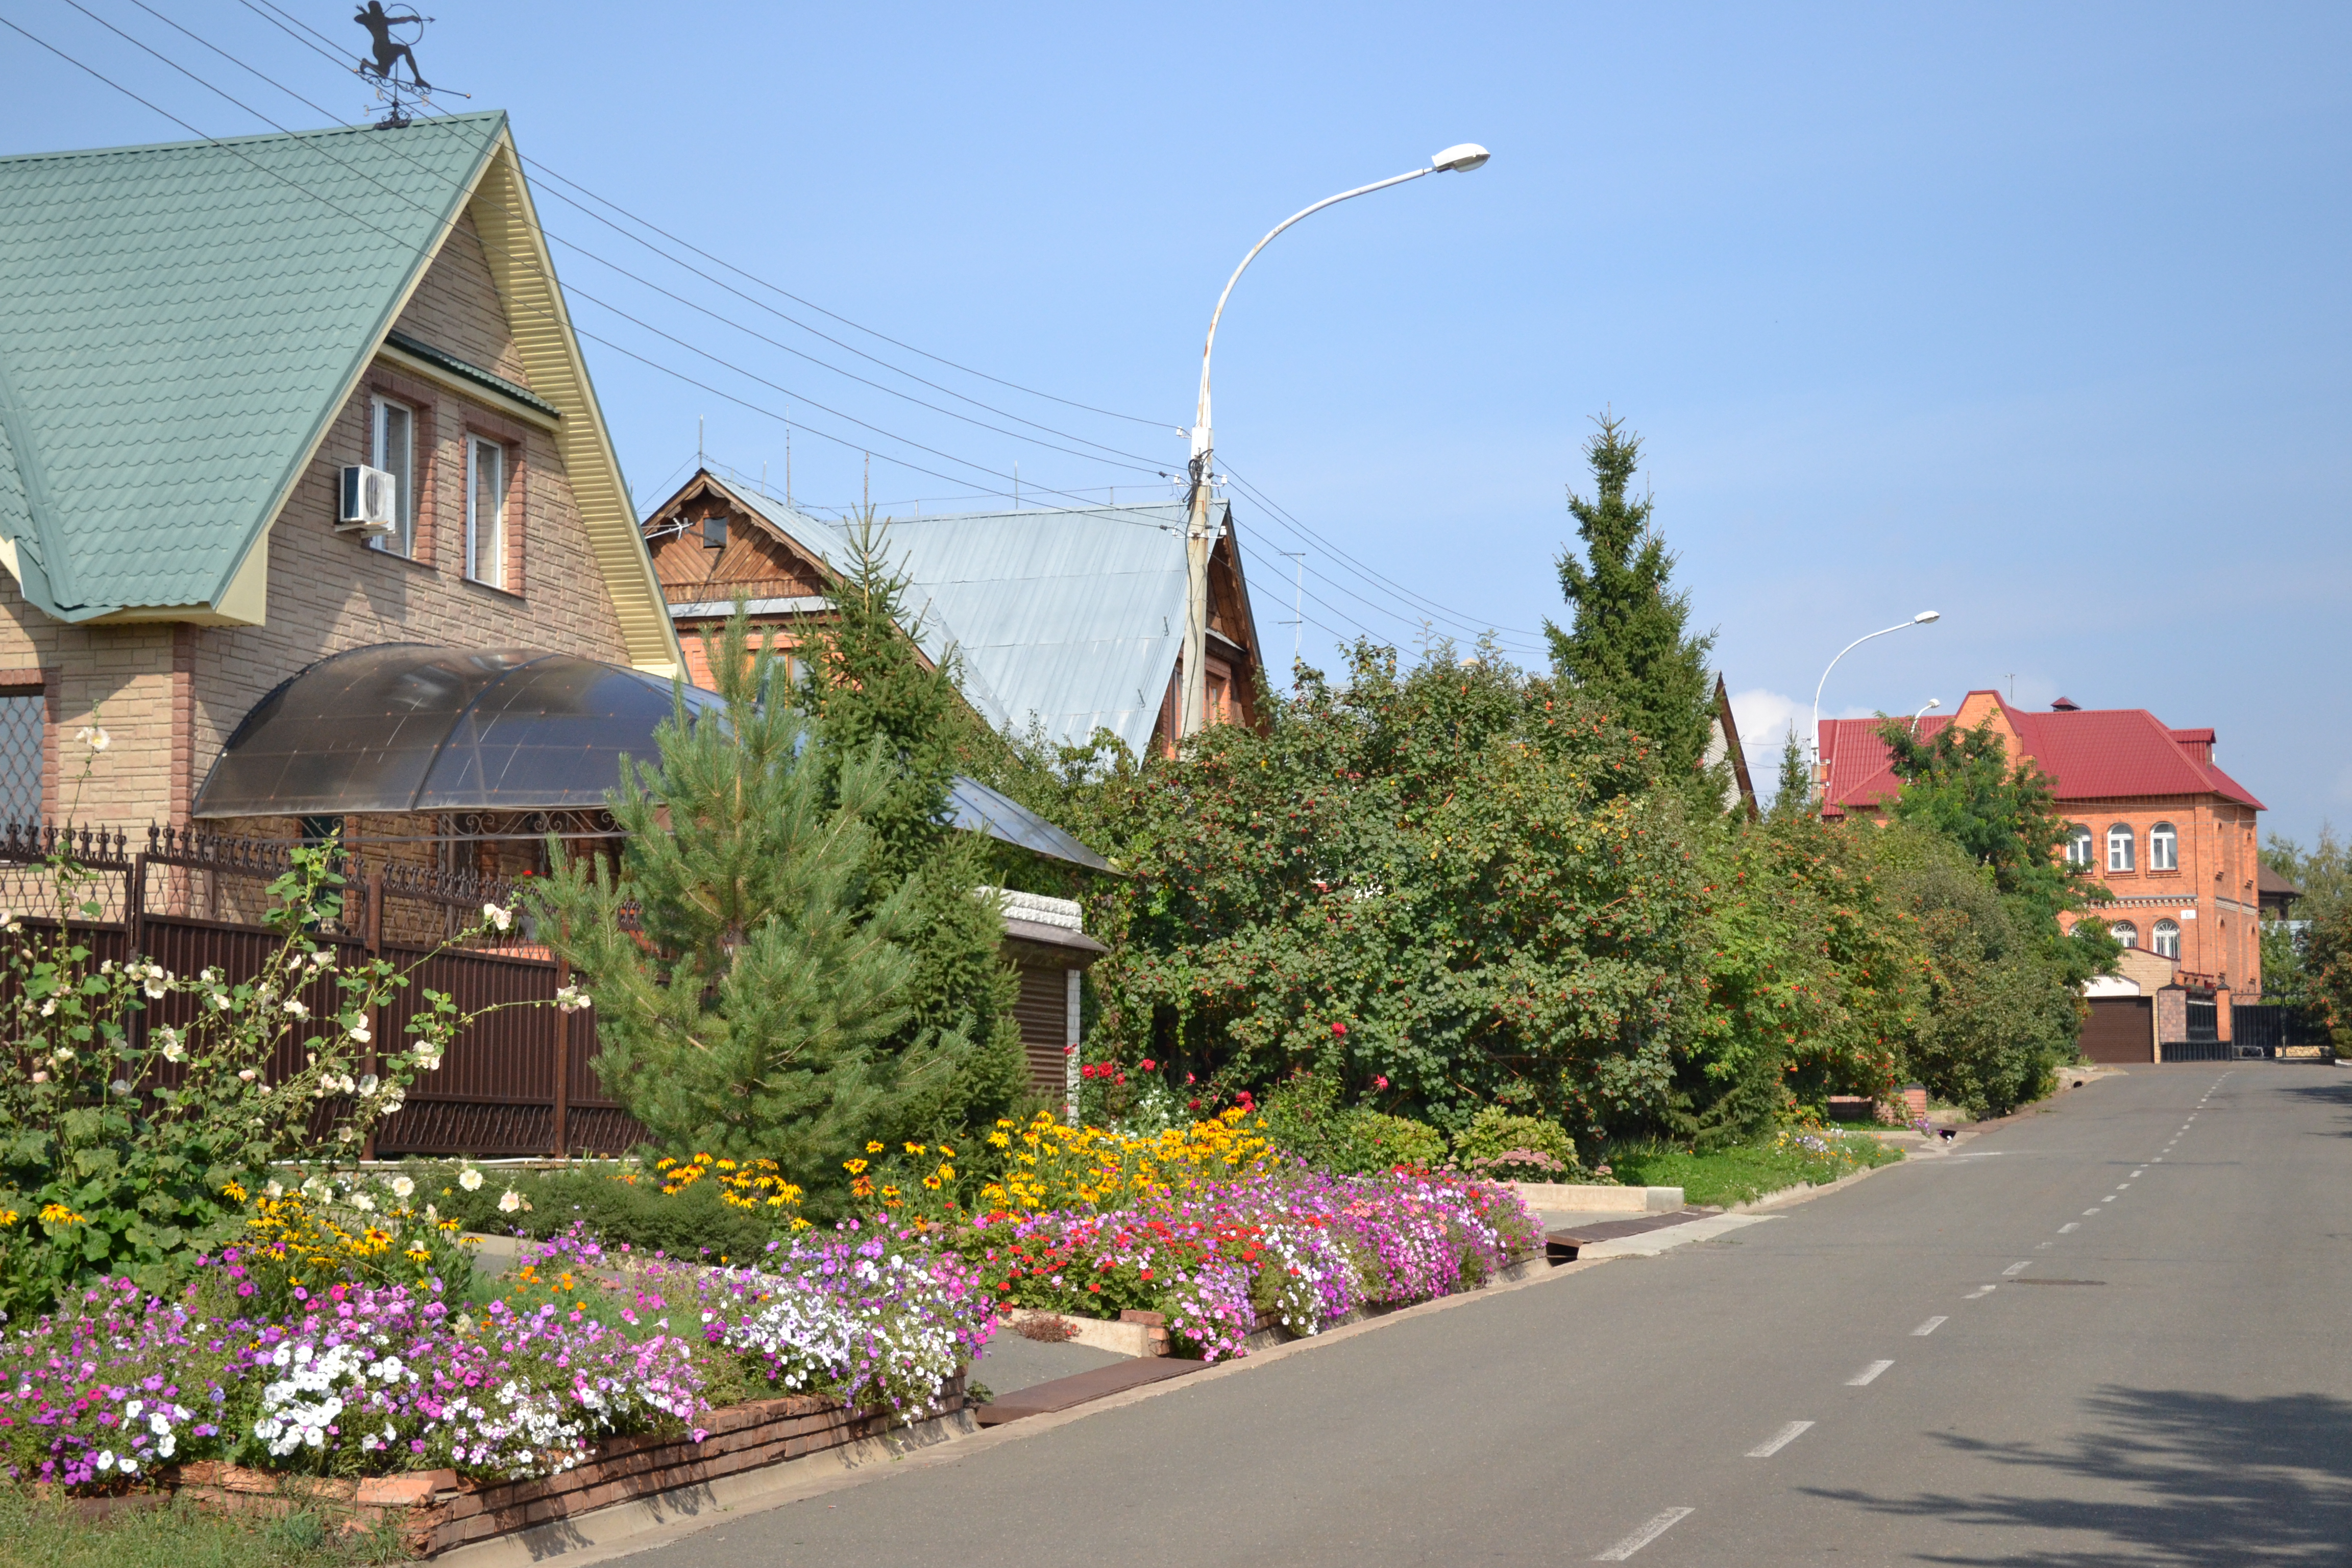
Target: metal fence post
column 373, row 937
column 563, row 1065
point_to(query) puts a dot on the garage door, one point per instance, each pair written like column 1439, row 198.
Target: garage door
column 2120, row 1029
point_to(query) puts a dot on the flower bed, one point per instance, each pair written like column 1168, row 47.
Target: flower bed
column 352, row 1379
column 1293, row 1244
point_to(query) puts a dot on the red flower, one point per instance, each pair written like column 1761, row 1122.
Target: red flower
column 1338, row 1029
column 1147, row 1065
column 1380, row 1083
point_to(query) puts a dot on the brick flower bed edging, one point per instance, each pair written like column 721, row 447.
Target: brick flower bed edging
column 435, row 1511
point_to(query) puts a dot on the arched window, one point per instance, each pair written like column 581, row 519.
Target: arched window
column 2078, row 846
column 2167, row 938
column 2124, row 933
column 2119, row 847
column 2163, row 848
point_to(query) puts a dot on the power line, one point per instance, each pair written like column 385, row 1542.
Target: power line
column 308, row 144
column 1142, row 463
column 750, row 277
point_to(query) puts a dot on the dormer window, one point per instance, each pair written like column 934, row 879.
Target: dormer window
column 2078, row 846
column 2119, row 847
column 2163, row 848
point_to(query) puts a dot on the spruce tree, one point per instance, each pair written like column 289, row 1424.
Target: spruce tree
column 870, row 685
column 1627, row 646
column 1794, row 795
column 758, row 1008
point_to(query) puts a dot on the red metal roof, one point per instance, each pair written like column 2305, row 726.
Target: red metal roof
column 2098, row 753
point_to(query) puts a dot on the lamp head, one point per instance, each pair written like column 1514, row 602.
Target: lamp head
column 1934, row 702
column 1924, row 617
column 1461, row 159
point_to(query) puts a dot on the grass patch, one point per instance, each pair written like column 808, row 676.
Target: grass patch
column 1746, row 1172
column 35, row 1534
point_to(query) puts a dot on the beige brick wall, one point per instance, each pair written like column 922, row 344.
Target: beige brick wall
column 170, row 695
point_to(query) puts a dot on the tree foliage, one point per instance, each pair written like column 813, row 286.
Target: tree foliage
column 1627, row 646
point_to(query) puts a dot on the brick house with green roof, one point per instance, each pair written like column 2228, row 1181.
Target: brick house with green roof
column 196, row 340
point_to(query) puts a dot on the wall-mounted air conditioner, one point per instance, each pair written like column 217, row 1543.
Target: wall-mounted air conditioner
column 371, row 502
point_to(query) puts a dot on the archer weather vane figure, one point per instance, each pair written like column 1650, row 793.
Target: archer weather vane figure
column 383, row 27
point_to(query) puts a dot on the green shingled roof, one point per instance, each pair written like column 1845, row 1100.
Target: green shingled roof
column 177, row 324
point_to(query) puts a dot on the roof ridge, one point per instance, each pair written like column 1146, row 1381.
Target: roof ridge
column 192, row 142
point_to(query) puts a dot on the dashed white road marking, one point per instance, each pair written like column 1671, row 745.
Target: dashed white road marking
column 2108, row 1199
column 1978, row 1293
column 1868, row 1375
column 2070, row 1224
column 2040, row 1245
column 1778, row 1440
column 1930, row 1327
column 2139, row 1174
column 2088, row 1212
column 1642, row 1536
column 2014, row 1270
column 2121, row 1185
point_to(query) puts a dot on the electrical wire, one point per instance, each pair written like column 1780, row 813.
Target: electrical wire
column 308, row 144
column 1141, row 464
column 256, row 7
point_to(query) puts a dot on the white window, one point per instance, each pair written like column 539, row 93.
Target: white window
column 2078, row 846
column 391, row 447
column 2119, row 847
column 2163, row 848
column 2167, row 938
column 2124, row 933
column 486, row 511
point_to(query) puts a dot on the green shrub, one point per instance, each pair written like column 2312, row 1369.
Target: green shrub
column 1497, row 1143
column 620, row 1212
column 1305, row 1119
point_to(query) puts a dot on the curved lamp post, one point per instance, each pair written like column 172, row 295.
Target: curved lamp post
column 1931, row 702
column 1921, row 619
column 1193, row 712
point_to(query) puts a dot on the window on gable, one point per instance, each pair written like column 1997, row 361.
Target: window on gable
column 486, row 511
column 2124, row 933
column 714, row 531
column 2167, row 938
column 2078, row 846
column 391, row 447
column 2119, row 847
column 2163, row 848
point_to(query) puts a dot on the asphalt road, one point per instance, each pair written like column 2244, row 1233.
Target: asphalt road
column 2111, row 1333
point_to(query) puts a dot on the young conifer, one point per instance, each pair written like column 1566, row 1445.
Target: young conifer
column 1627, row 647
column 755, row 1004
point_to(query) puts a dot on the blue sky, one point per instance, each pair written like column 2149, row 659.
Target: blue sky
column 2033, row 315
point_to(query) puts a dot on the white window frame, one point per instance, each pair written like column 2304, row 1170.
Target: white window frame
column 2166, row 940
column 486, row 539
column 2124, row 933
column 2164, row 847
column 2120, row 847
column 2080, row 846
column 402, row 540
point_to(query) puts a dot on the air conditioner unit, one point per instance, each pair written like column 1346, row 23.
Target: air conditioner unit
column 370, row 502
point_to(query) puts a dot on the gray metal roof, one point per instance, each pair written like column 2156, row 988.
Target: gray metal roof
column 1072, row 617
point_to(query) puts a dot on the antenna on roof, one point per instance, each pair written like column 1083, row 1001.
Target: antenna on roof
column 394, row 36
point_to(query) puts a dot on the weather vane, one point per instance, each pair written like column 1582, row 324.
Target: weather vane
column 385, row 30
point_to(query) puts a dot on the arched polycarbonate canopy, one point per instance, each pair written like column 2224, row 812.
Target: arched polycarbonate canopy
column 405, row 727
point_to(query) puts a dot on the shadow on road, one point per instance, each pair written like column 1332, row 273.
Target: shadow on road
column 2188, row 1478
column 2337, row 1095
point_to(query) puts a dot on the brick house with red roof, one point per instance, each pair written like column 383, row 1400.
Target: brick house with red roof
column 2170, row 834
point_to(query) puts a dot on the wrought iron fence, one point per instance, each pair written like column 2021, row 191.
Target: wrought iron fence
column 520, row 1081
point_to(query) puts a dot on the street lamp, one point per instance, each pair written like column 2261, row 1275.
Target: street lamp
column 1193, row 711
column 1931, row 702
column 1921, row 619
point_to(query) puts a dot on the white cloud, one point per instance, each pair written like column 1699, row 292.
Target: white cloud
column 1766, row 720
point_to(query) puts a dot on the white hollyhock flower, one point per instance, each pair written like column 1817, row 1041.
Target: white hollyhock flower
column 509, row 1201
column 402, row 1186
column 470, row 1179
column 493, row 915
column 297, row 1007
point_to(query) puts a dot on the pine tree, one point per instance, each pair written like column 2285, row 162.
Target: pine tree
column 1627, row 646
column 870, row 685
column 755, row 1008
column 1794, row 795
